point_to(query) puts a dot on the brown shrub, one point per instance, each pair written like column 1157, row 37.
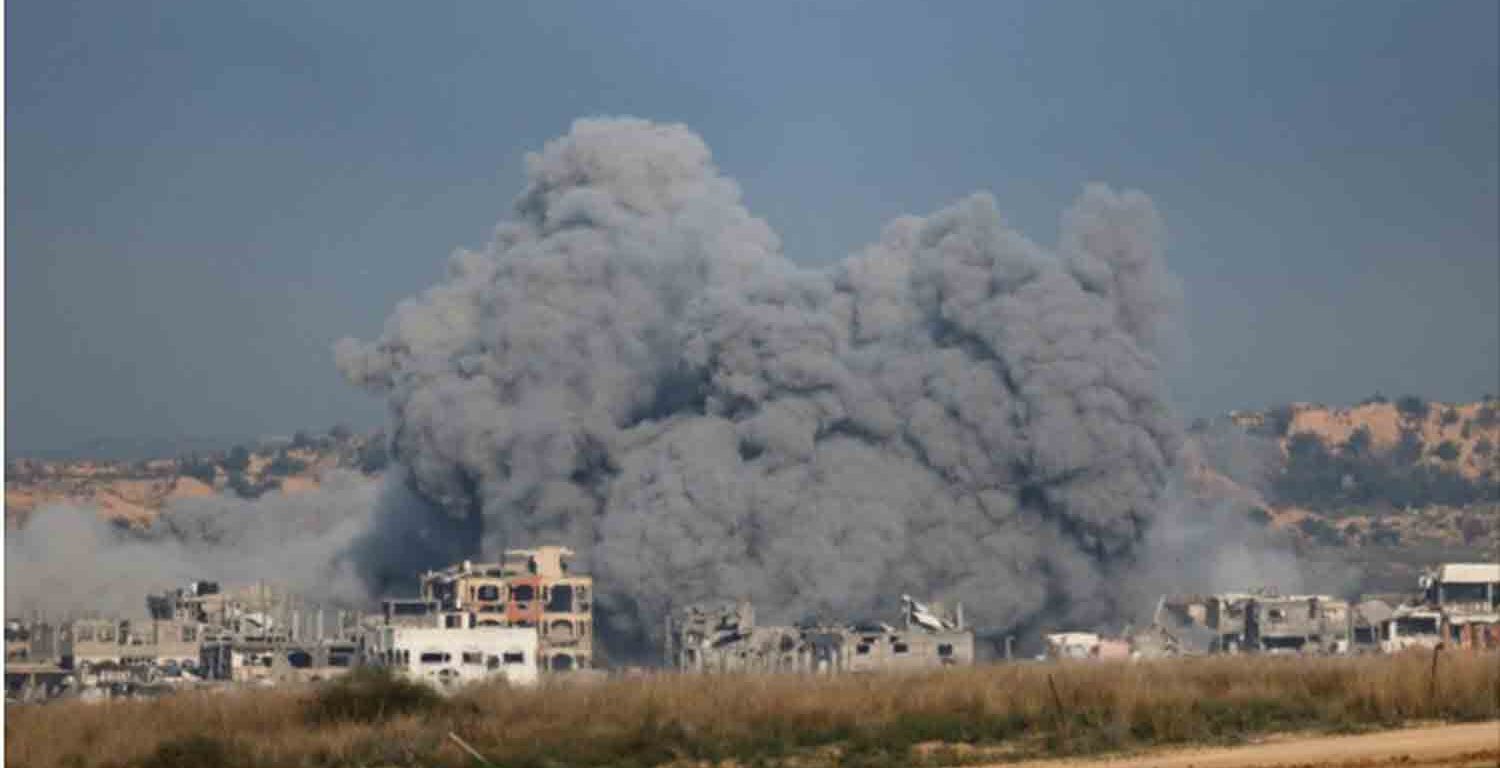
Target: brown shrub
column 870, row 720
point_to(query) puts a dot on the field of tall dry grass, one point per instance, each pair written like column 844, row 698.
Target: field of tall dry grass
column 1011, row 711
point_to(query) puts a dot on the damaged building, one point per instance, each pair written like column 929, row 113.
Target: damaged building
column 529, row 588
column 1467, row 595
column 1262, row 621
column 725, row 638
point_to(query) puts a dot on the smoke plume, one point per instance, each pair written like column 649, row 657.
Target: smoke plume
column 69, row 560
column 632, row 368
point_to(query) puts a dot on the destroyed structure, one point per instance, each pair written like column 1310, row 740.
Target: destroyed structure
column 1261, row 621
column 530, row 588
column 191, row 636
column 530, row 615
column 725, row 638
column 513, row 619
column 1459, row 606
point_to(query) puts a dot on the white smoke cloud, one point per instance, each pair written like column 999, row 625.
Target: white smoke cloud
column 634, row 369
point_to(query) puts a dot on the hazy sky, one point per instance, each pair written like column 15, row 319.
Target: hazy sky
column 201, row 197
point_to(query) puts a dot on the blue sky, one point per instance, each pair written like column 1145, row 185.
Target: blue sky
column 201, row 197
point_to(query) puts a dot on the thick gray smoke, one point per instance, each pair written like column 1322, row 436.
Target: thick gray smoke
column 634, row 369
column 69, row 560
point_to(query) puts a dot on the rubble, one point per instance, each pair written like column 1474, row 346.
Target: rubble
column 725, row 638
column 529, row 615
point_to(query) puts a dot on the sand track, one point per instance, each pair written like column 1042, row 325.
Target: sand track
column 1469, row 745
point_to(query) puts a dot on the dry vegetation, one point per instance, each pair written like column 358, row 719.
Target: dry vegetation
column 1012, row 711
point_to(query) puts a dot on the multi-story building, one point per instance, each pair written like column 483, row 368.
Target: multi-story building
column 1467, row 595
column 1248, row 621
column 528, row 588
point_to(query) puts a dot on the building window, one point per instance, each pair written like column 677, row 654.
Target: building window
column 945, row 650
column 899, row 647
column 473, row 657
column 560, row 599
column 489, row 593
column 863, row 649
column 522, row 593
column 434, row 657
column 562, row 662
column 453, row 621
column 514, row 657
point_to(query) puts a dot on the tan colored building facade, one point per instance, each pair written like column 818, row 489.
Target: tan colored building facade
column 528, row 588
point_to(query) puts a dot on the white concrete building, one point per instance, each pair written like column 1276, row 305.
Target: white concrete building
column 451, row 657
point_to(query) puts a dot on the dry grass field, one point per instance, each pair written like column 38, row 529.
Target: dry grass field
column 981, row 714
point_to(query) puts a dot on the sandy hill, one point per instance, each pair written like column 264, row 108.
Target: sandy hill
column 135, row 491
column 1461, row 437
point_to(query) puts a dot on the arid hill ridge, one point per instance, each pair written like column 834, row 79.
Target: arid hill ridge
column 1378, row 473
column 1462, row 437
column 135, row 491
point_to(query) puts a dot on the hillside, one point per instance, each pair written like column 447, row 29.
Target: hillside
column 135, row 491
column 1405, row 475
column 1385, row 486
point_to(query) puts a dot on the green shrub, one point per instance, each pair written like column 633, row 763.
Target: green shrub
column 237, row 460
column 1412, row 407
column 284, row 465
column 371, row 694
column 197, row 751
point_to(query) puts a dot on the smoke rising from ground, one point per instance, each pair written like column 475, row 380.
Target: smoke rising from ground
column 633, row 368
column 69, row 560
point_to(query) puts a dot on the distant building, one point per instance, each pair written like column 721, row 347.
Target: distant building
column 1467, row 596
column 452, row 656
column 1233, row 622
column 725, row 638
column 529, row 588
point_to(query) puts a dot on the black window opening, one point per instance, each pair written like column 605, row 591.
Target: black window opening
column 560, row 599
column 432, row 657
column 863, row 649
column 1411, row 625
column 562, row 662
column 522, row 593
column 299, row 659
column 1464, row 593
column 473, row 657
column 945, row 649
column 514, row 657
column 900, row 648
column 489, row 593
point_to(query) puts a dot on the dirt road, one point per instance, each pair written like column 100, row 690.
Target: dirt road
column 1471, row 745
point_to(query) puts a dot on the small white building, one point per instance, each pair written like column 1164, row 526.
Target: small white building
column 451, row 657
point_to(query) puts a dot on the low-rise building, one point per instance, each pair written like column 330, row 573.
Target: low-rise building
column 725, row 638
column 448, row 657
